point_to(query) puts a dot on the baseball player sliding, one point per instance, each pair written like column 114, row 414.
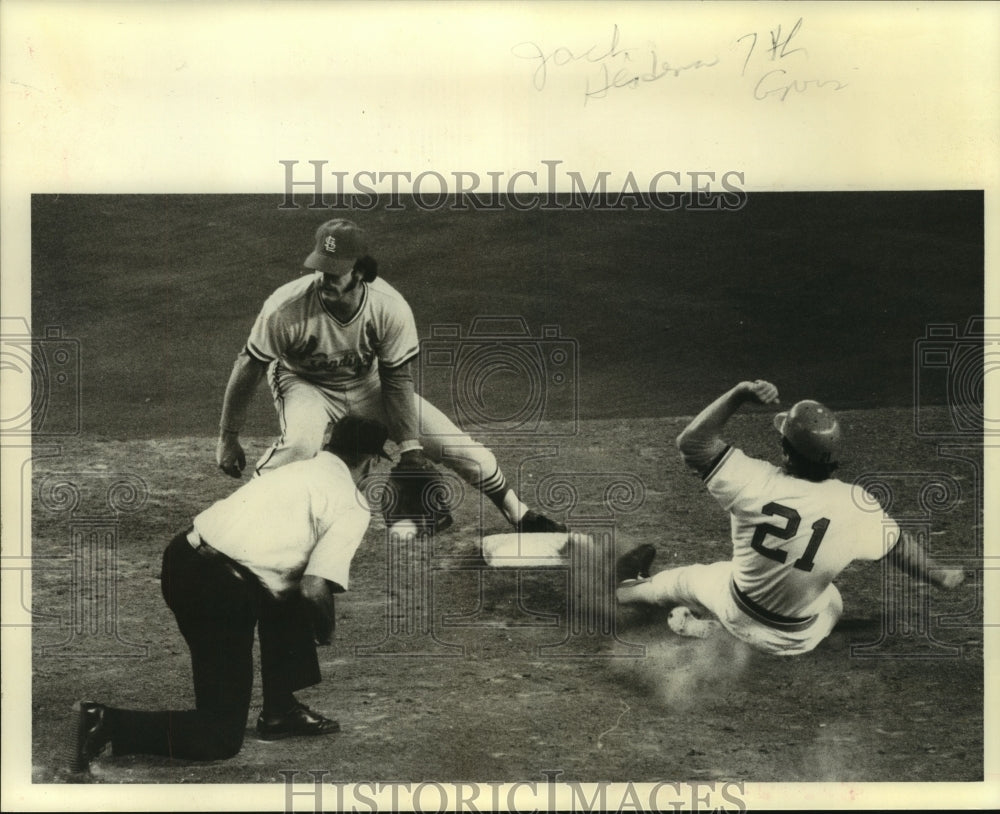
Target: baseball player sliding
column 794, row 529
column 339, row 342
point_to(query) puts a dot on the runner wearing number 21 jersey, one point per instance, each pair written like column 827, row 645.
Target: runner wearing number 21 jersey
column 794, row 529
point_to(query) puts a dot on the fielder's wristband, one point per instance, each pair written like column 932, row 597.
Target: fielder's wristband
column 409, row 446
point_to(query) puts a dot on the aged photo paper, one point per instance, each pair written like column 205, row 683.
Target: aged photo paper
column 399, row 107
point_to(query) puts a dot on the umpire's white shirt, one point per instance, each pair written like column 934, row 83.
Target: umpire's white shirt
column 306, row 517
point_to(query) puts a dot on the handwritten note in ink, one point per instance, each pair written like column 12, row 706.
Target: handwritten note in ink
column 606, row 66
column 781, row 78
column 773, row 63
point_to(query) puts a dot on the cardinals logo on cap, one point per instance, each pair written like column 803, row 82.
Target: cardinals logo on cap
column 337, row 239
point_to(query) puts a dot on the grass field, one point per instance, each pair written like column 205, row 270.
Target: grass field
column 824, row 294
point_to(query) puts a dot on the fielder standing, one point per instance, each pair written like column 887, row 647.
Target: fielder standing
column 340, row 342
column 270, row 556
column 794, row 529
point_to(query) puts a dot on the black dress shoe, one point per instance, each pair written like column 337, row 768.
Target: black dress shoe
column 87, row 736
column 299, row 720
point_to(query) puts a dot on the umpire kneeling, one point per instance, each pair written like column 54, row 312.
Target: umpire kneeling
column 270, row 556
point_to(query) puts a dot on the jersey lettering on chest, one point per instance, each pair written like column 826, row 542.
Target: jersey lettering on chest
column 308, row 355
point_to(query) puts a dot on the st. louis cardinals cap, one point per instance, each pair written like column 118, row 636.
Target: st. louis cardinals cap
column 812, row 430
column 338, row 238
column 359, row 436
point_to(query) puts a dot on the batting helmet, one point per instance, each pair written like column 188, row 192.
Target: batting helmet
column 812, row 430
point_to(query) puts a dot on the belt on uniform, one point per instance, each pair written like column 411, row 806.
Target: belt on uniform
column 766, row 617
column 202, row 548
column 199, row 545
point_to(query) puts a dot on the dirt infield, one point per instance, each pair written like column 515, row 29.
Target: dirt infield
column 491, row 683
column 505, row 675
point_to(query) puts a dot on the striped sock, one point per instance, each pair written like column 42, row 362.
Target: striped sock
column 496, row 489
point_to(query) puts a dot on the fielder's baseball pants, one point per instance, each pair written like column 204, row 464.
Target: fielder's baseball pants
column 305, row 411
column 218, row 604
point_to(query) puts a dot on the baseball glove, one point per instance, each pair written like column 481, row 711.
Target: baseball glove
column 417, row 492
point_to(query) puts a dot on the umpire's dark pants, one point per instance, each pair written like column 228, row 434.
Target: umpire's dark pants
column 217, row 604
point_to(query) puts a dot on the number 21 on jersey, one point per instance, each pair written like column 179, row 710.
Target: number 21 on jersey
column 793, row 520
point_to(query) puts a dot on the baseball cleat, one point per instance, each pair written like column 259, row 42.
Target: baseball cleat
column 534, row 523
column 684, row 623
column 634, row 564
column 298, row 721
column 87, row 736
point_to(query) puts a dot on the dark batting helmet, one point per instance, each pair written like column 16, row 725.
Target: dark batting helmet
column 812, row 431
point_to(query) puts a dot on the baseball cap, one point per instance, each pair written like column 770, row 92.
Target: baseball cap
column 358, row 437
column 812, row 430
column 338, row 238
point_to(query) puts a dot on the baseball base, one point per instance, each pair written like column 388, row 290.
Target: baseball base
column 538, row 550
